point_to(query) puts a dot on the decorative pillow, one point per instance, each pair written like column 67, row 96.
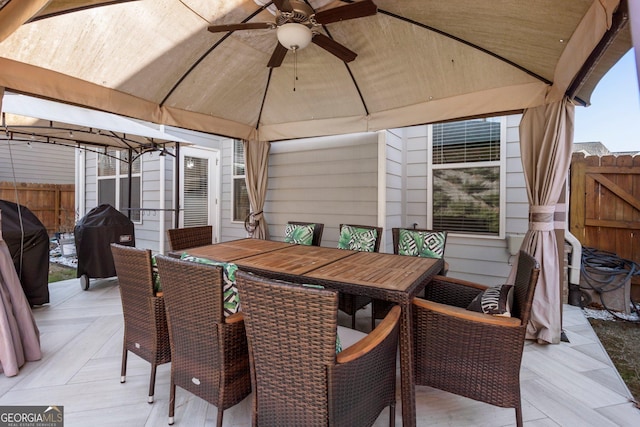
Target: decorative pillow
column 357, row 239
column 300, row 234
column 497, row 300
column 157, row 286
column 231, row 301
column 426, row 244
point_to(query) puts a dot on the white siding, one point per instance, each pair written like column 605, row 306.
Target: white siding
column 331, row 180
column 147, row 235
column 36, row 163
column 91, row 182
column 395, row 182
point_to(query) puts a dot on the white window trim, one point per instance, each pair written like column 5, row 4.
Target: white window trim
column 118, row 176
column 502, row 163
column 233, row 180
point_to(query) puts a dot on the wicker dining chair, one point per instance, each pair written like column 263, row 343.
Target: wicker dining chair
column 209, row 355
column 348, row 303
column 145, row 324
column 471, row 353
column 297, row 377
column 317, row 231
column 420, row 242
column 190, row 237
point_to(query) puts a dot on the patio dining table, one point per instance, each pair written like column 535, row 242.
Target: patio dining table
column 388, row 277
column 233, row 250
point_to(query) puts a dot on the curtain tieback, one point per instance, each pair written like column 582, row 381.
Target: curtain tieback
column 541, row 217
column 256, row 216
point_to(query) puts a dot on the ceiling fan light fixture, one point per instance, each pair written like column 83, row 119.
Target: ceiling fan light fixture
column 294, row 36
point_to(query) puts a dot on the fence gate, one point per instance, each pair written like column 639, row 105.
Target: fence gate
column 605, row 205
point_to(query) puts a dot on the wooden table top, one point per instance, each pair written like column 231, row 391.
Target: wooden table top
column 236, row 249
column 296, row 259
column 378, row 270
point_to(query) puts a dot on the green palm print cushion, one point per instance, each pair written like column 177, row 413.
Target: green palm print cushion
column 357, row 239
column 300, row 234
column 157, row 286
column 231, row 301
column 426, row 244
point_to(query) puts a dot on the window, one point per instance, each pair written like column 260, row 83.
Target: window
column 466, row 176
column 113, row 182
column 241, row 204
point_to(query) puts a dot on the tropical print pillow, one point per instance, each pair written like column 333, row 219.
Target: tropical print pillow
column 157, row 286
column 231, row 301
column 426, row 244
column 357, row 239
column 299, row 234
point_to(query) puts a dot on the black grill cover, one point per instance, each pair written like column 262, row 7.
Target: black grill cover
column 94, row 234
column 34, row 274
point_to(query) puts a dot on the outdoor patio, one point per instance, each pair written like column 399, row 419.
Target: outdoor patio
column 81, row 335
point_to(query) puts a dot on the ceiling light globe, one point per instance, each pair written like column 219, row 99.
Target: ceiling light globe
column 294, row 36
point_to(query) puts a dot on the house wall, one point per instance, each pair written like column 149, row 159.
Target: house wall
column 482, row 259
column 36, row 163
column 147, row 230
column 330, row 180
column 395, row 182
column 158, row 190
column 371, row 178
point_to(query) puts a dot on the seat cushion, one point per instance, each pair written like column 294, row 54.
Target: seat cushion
column 299, row 234
column 496, row 300
column 231, row 301
column 357, row 239
column 347, row 337
column 427, row 244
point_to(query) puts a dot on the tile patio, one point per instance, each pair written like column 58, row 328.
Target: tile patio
column 570, row 384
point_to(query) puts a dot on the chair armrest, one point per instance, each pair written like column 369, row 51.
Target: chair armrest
column 452, row 291
column 458, row 282
column 234, row 318
column 373, row 339
column 465, row 314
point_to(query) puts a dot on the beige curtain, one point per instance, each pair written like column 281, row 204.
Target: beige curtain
column 546, row 137
column 256, row 159
column 19, row 334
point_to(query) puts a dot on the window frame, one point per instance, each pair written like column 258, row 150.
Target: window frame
column 501, row 163
column 118, row 177
column 236, row 177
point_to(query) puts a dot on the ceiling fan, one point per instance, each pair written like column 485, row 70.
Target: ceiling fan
column 297, row 25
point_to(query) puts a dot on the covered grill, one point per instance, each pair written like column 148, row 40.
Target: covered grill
column 94, row 234
column 28, row 244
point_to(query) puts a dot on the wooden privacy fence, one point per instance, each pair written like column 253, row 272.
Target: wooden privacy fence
column 605, row 204
column 53, row 204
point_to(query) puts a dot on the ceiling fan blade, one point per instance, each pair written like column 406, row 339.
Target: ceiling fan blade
column 277, row 56
column 334, row 47
column 245, row 26
column 354, row 10
column 283, row 5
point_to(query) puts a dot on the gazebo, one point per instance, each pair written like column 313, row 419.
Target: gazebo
column 220, row 67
